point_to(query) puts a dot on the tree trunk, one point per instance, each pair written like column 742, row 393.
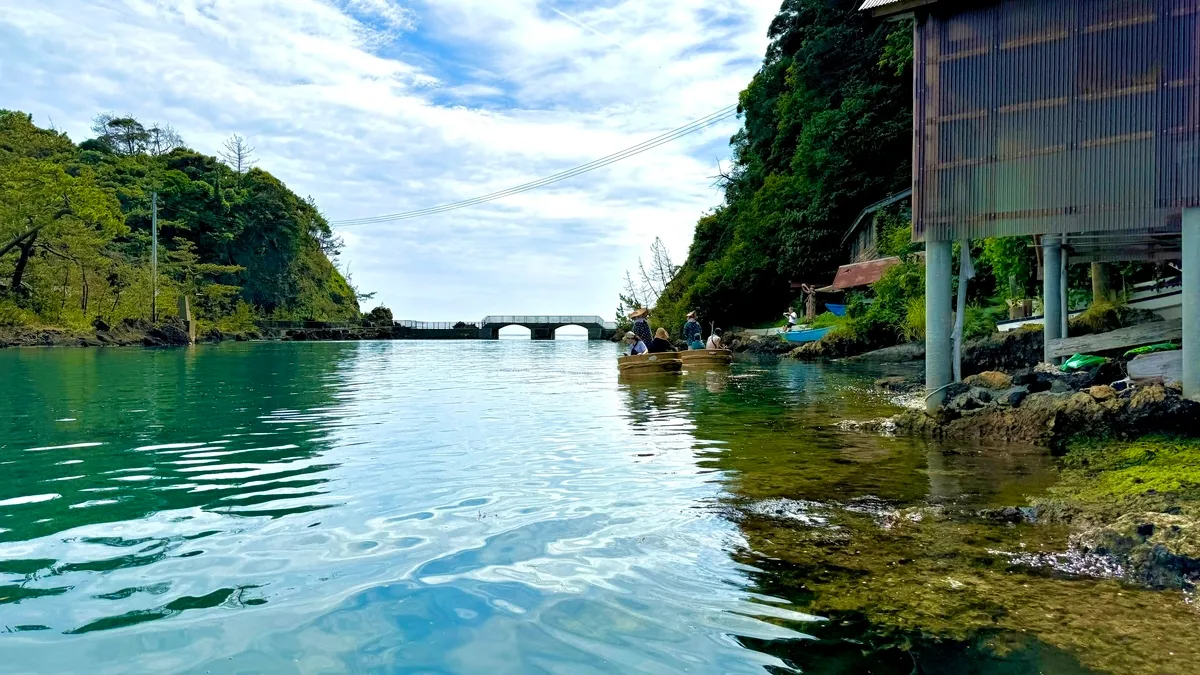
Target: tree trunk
column 22, row 263
column 1100, row 289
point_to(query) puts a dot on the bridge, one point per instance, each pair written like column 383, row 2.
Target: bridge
column 540, row 327
column 543, row 327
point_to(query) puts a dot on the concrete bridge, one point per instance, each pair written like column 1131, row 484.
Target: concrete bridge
column 540, row 327
column 543, row 327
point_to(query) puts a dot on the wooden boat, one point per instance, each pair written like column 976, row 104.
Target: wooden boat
column 706, row 358
column 650, row 364
column 804, row 335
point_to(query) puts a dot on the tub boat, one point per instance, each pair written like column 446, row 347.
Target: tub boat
column 650, row 364
column 706, row 358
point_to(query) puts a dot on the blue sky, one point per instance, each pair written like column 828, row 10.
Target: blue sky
column 383, row 106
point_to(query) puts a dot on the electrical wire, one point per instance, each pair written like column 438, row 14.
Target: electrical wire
column 662, row 139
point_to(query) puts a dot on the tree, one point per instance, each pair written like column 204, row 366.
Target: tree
column 238, row 154
column 162, row 140
column 123, row 135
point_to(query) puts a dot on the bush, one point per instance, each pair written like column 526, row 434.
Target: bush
column 12, row 315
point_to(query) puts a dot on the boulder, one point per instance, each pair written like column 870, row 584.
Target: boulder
column 100, row 325
column 990, row 379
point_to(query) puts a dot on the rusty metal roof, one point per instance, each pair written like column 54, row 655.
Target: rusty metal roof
column 862, row 274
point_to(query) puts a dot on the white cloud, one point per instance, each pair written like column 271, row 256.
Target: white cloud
column 374, row 107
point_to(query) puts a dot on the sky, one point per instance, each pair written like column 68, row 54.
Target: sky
column 383, row 106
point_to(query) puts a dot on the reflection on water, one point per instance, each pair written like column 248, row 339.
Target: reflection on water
column 508, row 507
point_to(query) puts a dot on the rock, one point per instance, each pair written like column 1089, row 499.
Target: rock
column 1038, row 385
column 100, row 325
column 1159, row 550
column 1021, row 348
column 1013, row 397
column 990, row 379
column 897, row 383
column 213, row 335
column 1102, row 392
column 1060, row 387
column 913, row 351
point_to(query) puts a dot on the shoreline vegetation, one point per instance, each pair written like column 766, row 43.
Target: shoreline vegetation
column 76, row 238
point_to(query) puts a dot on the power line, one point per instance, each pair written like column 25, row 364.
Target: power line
column 674, row 134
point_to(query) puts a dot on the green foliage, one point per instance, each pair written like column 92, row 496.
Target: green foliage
column 1012, row 262
column 75, row 231
column 980, row 321
column 895, row 235
column 914, row 319
column 827, row 130
column 380, row 316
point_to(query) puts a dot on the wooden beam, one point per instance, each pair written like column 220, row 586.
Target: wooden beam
column 1122, row 338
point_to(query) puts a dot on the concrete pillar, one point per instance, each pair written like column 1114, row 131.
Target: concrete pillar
column 938, row 372
column 1052, row 293
column 1191, row 303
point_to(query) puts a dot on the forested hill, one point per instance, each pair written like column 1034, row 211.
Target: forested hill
column 75, row 231
column 827, row 130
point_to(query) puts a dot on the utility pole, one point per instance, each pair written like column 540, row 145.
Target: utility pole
column 154, row 257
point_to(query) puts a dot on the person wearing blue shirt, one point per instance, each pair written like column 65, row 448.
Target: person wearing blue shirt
column 693, row 334
column 636, row 346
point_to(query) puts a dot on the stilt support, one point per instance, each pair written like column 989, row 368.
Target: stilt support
column 1191, row 303
column 1052, row 292
column 938, row 372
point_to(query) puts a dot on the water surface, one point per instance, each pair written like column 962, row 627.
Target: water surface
column 508, row 507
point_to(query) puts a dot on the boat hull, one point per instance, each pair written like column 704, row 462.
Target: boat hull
column 706, row 358
column 650, row 364
column 803, row 336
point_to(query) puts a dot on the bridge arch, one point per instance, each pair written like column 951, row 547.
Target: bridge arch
column 543, row 327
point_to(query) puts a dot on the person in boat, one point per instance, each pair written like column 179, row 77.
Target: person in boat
column 636, row 346
column 661, row 342
column 641, row 327
column 714, row 340
column 693, row 334
column 792, row 318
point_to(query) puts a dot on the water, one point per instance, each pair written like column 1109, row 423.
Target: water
column 512, row 507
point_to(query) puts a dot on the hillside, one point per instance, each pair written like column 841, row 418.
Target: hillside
column 75, row 232
column 827, row 130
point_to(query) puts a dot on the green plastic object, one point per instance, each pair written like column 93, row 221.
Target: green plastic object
column 1150, row 349
column 1082, row 362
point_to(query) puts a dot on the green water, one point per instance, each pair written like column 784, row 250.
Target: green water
column 513, row 507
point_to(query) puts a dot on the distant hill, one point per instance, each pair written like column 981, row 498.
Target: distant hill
column 75, row 231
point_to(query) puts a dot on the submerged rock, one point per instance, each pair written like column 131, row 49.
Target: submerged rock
column 1159, row 550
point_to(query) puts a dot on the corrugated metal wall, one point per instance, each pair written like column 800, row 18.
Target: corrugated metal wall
column 1039, row 116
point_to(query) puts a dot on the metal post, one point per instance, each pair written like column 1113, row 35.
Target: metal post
column 1063, row 283
column 1191, row 303
column 1052, row 291
column 938, row 264
column 154, row 257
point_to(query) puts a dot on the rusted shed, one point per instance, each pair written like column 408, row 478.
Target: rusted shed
column 1055, row 116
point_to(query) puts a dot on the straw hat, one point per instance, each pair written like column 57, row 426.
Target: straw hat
column 639, row 313
column 691, row 314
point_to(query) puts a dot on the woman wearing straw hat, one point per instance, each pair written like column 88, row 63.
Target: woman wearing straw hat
column 693, row 334
column 641, row 327
column 661, row 342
